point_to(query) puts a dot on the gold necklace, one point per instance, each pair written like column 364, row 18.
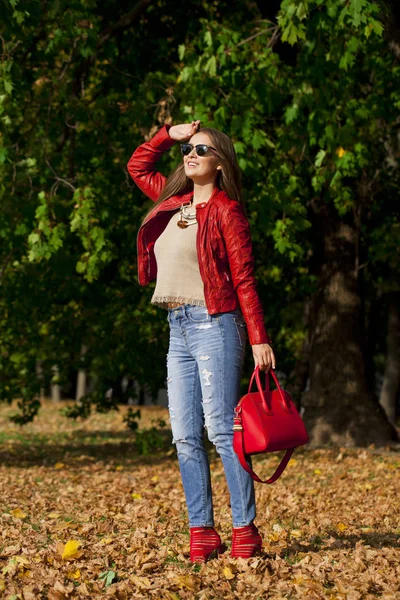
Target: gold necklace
column 186, row 218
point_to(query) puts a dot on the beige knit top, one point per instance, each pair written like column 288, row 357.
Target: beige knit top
column 178, row 275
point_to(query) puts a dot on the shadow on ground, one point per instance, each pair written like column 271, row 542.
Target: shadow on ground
column 372, row 539
column 83, row 448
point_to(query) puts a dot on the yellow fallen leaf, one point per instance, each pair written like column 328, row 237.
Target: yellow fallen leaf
column 292, row 463
column 105, row 541
column 119, row 468
column 18, row 513
column 317, row 472
column 341, row 527
column 65, row 525
column 71, row 549
column 24, row 573
column 171, row 595
column 53, row 515
column 59, row 465
column 141, row 582
column 296, row 533
column 2, row 585
column 228, row 573
column 74, row 574
column 274, row 537
column 154, row 479
column 185, row 581
column 137, row 496
column 22, row 560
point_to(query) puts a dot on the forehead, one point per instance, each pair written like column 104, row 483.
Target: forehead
column 200, row 138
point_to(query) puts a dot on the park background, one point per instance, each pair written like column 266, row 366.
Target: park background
column 309, row 91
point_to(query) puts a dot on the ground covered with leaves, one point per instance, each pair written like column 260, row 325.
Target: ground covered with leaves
column 83, row 515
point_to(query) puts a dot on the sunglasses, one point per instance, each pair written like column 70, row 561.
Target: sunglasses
column 201, row 149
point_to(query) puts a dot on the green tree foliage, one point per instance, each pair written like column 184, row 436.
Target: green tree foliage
column 82, row 84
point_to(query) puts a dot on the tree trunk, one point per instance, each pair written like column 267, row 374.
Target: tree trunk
column 39, row 374
column 81, row 382
column 391, row 378
column 55, row 388
column 298, row 377
column 339, row 408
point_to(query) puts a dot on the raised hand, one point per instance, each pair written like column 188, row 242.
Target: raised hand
column 184, row 132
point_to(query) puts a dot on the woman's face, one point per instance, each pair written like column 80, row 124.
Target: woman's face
column 201, row 169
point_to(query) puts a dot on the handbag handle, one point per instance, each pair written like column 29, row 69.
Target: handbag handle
column 256, row 374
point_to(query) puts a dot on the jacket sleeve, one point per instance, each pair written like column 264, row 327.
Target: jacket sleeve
column 237, row 238
column 142, row 163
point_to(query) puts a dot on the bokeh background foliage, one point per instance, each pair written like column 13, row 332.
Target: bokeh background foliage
column 310, row 94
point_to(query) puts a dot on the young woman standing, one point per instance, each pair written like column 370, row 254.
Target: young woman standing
column 196, row 243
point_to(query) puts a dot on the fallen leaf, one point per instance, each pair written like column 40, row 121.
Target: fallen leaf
column 185, row 581
column 171, row 595
column 71, row 549
column 74, row 574
column 296, row 533
column 18, row 513
column 228, row 573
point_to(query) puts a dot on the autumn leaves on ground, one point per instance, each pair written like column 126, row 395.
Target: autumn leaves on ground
column 84, row 516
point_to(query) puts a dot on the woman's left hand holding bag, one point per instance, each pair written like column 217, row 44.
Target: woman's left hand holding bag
column 264, row 356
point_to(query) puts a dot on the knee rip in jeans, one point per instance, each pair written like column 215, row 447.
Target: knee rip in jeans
column 179, row 441
column 204, row 326
column 204, row 357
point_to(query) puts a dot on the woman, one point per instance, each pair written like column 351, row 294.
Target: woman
column 196, row 243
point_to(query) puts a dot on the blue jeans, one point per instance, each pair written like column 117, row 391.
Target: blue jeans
column 204, row 361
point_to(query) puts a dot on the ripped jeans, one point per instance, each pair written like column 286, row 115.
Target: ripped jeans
column 205, row 360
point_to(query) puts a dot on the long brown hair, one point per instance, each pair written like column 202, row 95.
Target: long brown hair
column 228, row 178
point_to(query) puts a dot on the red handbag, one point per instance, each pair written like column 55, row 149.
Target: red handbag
column 267, row 421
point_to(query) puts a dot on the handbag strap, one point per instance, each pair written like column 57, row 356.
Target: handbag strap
column 239, row 449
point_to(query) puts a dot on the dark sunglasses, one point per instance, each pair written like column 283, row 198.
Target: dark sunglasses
column 201, row 149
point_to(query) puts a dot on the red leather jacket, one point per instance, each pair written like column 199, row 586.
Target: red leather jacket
column 223, row 240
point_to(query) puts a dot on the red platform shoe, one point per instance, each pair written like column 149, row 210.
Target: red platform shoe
column 205, row 543
column 246, row 542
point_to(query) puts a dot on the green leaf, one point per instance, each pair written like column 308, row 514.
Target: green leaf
column 208, row 39
column 211, row 66
column 8, row 86
column 291, row 114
